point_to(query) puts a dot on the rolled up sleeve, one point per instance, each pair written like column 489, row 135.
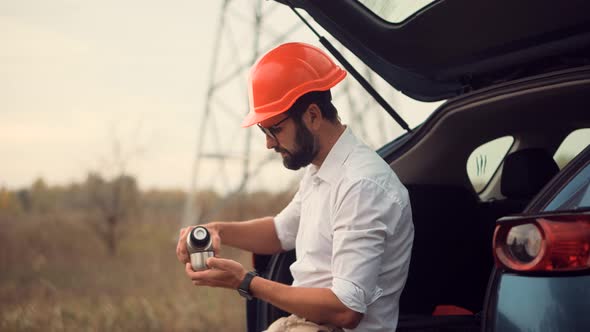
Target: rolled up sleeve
column 353, row 296
column 360, row 227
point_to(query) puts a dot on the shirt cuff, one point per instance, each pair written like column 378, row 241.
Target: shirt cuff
column 352, row 296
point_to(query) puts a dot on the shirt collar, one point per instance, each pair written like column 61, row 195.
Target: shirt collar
column 329, row 170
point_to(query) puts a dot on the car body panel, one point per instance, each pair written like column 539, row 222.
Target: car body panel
column 542, row 303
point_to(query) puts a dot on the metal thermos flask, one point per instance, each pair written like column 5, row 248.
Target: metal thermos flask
column 200, row 247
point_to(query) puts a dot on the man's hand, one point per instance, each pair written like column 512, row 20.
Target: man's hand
column 224, row 273
column 182, row 253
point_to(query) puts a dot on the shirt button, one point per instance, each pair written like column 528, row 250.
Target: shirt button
column 316, row 181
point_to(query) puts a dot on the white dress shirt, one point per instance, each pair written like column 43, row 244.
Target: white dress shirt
column 351, row 225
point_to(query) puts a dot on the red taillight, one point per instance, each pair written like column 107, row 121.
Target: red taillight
column 543, row 243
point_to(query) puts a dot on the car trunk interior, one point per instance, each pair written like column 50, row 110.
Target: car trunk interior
column 452, row 254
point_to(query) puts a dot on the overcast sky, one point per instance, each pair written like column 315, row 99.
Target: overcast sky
column 77, row 76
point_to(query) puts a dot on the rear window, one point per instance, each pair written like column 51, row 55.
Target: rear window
column 395, row 11
column 575, row 195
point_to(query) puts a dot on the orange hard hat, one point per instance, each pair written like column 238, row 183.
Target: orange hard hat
column 284, row 74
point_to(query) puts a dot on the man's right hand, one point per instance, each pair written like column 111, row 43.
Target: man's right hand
column 181, row 251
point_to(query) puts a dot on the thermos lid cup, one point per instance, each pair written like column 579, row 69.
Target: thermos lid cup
column 199, row 237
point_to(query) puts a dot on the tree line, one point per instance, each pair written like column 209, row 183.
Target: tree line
column 110, row 205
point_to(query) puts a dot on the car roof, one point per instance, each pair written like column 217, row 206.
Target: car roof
column 450, row 47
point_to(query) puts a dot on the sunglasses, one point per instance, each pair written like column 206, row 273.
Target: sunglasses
column 274, row 129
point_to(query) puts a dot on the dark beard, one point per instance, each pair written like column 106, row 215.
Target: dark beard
column 305, row 152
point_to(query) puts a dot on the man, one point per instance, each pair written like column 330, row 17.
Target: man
column 350, row 221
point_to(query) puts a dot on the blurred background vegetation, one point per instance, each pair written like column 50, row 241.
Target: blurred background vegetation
column 100, row 256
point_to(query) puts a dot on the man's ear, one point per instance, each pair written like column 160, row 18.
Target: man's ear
column 314, row 116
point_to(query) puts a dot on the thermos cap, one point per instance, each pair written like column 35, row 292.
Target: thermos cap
column 200, row 233
column 199, row 237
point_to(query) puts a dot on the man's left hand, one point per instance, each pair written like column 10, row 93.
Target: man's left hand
column 224, row 273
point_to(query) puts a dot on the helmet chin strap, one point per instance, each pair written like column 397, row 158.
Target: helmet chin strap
column 364, row 83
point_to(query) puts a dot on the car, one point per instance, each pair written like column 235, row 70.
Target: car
column 498, row 174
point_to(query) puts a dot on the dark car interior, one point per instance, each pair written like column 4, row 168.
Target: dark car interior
column 451, row 264
column 452, row 254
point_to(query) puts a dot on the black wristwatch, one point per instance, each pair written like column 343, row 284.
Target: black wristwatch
column 244, row 288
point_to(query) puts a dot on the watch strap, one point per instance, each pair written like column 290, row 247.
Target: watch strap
column 244, row 288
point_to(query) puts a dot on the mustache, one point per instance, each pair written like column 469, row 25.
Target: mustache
column 278, row 149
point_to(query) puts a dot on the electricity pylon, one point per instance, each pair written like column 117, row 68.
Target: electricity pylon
column 230, row 159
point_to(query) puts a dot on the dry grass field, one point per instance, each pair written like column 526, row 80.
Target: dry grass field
column 57, row 275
